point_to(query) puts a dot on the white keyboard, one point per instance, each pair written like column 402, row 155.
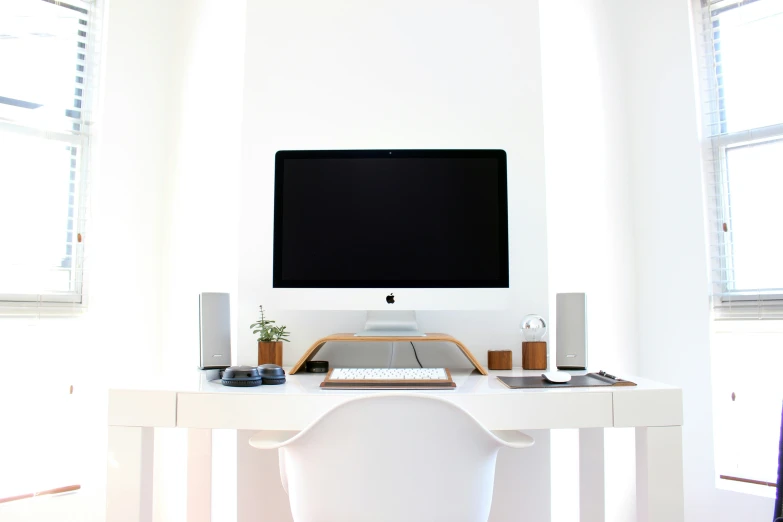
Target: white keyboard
column 388, row 374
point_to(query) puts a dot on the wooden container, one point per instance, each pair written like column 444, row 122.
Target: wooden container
column 534, row 355
column 499, row 359
column 270, row 353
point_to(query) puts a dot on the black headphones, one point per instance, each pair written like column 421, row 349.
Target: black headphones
column 247, row 376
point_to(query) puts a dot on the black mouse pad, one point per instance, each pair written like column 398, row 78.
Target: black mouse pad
column 577, row 381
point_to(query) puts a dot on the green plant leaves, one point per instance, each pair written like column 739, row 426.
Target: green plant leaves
column 266, row 332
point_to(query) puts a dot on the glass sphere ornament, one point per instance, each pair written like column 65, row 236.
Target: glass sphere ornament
column 533, row 328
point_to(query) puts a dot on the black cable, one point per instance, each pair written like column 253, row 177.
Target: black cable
column 391, row 356
column 417, row 355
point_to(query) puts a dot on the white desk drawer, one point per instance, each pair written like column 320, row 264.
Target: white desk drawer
column 519, row 410
column 142, row 408
column 647, row 407
column 526, row 410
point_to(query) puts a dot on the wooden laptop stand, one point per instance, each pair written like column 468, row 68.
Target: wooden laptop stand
column 351, row 338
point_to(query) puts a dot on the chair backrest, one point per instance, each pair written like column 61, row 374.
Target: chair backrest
column 392, row 458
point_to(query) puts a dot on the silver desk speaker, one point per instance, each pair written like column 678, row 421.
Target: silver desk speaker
column 571, row 332
column 214, row 320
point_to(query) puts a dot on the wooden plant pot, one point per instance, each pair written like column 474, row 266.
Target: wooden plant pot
column 270, row 353
column 534, row 355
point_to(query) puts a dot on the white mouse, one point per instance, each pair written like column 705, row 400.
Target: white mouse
column 557, row 377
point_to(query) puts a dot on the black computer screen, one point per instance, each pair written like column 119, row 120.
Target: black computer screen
column 391, row 219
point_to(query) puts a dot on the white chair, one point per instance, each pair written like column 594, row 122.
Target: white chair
column 395, row 458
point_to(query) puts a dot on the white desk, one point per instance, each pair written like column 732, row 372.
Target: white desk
column 654, row 409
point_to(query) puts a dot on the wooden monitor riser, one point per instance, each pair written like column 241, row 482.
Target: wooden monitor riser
column 351, row 338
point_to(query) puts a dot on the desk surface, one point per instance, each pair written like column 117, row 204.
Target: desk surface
column 468, row 382
column 198, row 400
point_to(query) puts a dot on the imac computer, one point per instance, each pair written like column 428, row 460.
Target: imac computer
column 390, row 232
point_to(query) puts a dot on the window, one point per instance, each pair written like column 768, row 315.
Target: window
column 743, row 99
column 47, row 59
column 742, row 96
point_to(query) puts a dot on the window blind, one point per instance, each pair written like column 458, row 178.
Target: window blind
column 48, row 56
column 740, row 44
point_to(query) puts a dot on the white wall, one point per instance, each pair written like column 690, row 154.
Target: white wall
column 161, row 226
column 590, row 220
column 136, row 133
column 200, row 225
column 672, row 300
column 589, row 208
column 404, row 74
column 747, row 399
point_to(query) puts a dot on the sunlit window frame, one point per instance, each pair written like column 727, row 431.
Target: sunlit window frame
column 718, row 146
column 73, row 302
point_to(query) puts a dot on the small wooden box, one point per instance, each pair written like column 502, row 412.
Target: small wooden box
column 534, row 355
column 270, row 353
column 499, row 359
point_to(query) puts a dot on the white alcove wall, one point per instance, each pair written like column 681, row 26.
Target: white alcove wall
column 404, row 74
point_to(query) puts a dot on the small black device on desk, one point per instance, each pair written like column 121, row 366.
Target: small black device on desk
column 247, row 376
column 317, row 366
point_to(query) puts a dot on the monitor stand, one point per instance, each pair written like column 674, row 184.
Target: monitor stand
column 388, row 323
column 398, row 336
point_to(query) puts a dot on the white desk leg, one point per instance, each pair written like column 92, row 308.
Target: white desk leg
column 592, row 477
column 199, row 475
column 659, row 480
column 129, row 476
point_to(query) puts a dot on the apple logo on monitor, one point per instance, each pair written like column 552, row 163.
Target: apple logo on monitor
column 390, row 298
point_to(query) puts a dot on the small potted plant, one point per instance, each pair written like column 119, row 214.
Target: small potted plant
column 270, row 340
